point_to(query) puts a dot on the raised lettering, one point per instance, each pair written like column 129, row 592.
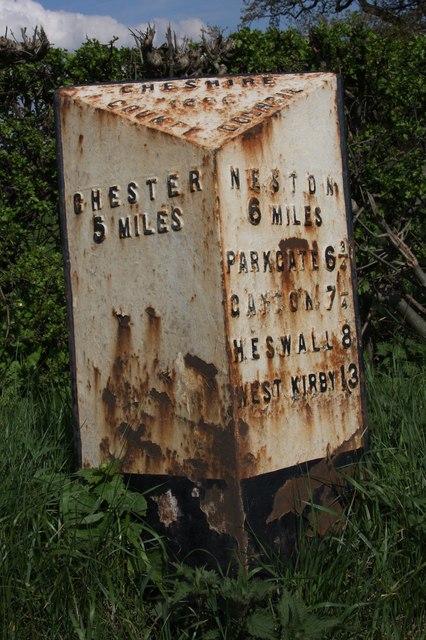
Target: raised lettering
column 194, row 181
column 124, row 227
column 177, row 219
column 78, row 202
column 114, row 196
column 172, row 185
column 132, row 192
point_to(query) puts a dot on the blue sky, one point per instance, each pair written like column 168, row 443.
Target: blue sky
column 68, row 22
column 221, row 12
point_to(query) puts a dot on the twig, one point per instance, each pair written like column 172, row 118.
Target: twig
column 416, row 304
column 404, row 250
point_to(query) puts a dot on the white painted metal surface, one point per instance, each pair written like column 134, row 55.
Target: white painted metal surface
column 210, row 274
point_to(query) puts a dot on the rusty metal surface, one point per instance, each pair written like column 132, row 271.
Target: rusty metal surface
column 210, row 267
column 288, row 257
column 206, row 111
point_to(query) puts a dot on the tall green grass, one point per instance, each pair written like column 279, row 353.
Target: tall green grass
column 76, row 558
column 78, row 561
column 375, row 566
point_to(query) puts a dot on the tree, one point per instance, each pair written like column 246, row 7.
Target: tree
column 395, row 12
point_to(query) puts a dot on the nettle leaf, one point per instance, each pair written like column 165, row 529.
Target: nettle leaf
column 261, row 588
column 91, row 476
column 111, row 491
column 296, row 618
column 181, row 590
column 261, row 624
column 291, row 610
column 135, row 503
column 77, row 503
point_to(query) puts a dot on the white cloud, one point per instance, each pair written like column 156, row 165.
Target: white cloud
column 68, row 30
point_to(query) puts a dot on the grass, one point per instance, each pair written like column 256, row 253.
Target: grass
column 77, row 559
column 74, row 556
column 376, row 565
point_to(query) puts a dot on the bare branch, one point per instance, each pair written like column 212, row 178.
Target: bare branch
column 404, row 250
column 409, row 315
column 415, row 304
column 29, row 49
column 174, row 58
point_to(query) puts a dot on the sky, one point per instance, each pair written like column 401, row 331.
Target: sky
column 68, row 22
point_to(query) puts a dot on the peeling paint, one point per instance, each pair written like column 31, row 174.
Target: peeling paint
column 168, row 510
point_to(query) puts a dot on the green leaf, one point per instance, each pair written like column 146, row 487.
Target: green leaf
column 135, row 503
column 260, row 624
column 92, row 518
column 284, row 609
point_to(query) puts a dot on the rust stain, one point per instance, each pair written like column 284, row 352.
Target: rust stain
column 109, row 398
column 197, row 464
column 356, row 441
column 152, row 312
column 123, row 320
column 212, row 505
column 80, row 143
column 293, row 244
column 105, row 448
column 254, row 133
column 161, row 396
column 243, row 428
column 221, row 439
column 207, row 370
column 293, row 496
column 131, row 443
column 151, row 448
column 192, row 132
column 166, row 376
column 249, row 460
